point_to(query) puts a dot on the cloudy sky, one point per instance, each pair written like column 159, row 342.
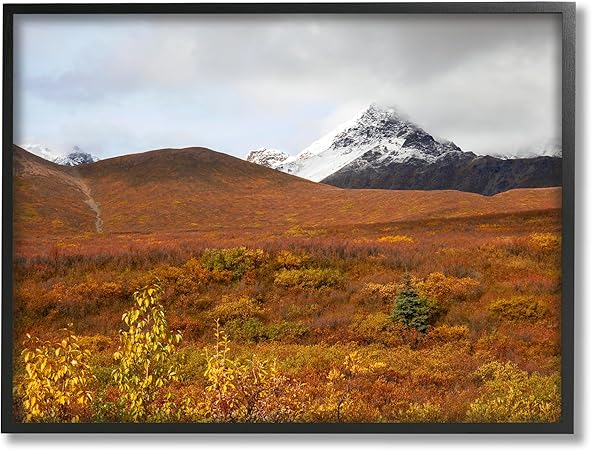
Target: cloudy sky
column 115, row 85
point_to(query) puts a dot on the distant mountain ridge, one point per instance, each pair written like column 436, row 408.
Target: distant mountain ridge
column 75, row 158
column 381, row 149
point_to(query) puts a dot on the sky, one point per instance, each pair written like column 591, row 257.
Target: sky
column 114, row 85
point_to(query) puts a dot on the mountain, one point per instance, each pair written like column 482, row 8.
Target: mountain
column 384, row 131
column 381, row 149
column 267, row 157
column 74, row 158
column 197, row 190
column 460, row 171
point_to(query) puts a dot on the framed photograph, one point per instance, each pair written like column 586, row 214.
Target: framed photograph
column 288, row 218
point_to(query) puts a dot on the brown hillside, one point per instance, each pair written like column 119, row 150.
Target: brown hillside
column 197, row 189
column 48, row 199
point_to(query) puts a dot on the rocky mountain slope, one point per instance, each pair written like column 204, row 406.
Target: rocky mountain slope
column 381, row 149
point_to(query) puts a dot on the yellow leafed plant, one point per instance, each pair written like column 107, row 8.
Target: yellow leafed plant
column 145, row 354
column 56, row 386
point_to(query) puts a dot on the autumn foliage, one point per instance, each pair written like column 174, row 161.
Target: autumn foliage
column 445, row 321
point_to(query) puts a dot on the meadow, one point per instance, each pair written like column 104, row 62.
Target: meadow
column 426, row 320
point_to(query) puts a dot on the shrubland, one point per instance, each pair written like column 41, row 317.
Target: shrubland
column 425, row 321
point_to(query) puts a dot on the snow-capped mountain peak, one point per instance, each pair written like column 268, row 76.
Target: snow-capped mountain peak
column 75, row 158
column 268, row 157
column 384, row 131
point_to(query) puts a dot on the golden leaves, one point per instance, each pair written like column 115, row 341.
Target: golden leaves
column 144, row 356
column 57, row 377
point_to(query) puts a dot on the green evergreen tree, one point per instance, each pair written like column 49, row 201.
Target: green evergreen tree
column 412, row 310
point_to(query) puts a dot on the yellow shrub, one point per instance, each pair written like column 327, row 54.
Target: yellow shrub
column 337, row 404
column 190, row 277
column 385, row 292
column 446, row 289
column 513, row 395
column 545, row 241
column 519, row 308
column 237, row 260
column 144, row 357
column 448, row 333
column 378, row 327
column 397, row 239
column 421, row 413
column 288, row 260
column 249, row 391
column 236, row 308
column 57, row 381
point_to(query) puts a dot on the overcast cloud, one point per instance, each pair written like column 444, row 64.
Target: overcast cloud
column 116, row 85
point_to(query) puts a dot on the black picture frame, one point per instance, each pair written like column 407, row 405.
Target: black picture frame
column 567, row 12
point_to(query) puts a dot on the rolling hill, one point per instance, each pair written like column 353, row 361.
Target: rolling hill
column 200, row 190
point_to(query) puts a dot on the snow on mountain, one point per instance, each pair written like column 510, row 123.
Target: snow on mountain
column 75, row 158
column 268, row 157
column 381, row 130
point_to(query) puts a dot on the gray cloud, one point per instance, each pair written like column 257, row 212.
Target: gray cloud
column 119, row 84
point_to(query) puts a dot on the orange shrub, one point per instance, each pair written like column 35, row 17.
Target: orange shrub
column 545, row 241
column 191, row 277
column 447, row 333
column 446, row 289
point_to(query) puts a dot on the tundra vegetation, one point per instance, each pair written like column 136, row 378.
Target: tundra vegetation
column 433, row 321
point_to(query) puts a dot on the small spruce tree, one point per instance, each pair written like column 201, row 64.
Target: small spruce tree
column 412, row 310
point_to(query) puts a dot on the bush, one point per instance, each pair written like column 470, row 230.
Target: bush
column 518, row 308
column 445, row 289
column 338, row 403
column 191, row 277
column 309, row 278
column 377, row 327
column 57, row 381
column 448, row 333
column 255, row 330
column 412, row 310
column 545, row 241
column 145, row 356
column 249, row 391
column 236, row 308
column 385, row 293
column 249, row 330
column 513, row 395
column 237, row 260
column 421, row 413
column 288, row 260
